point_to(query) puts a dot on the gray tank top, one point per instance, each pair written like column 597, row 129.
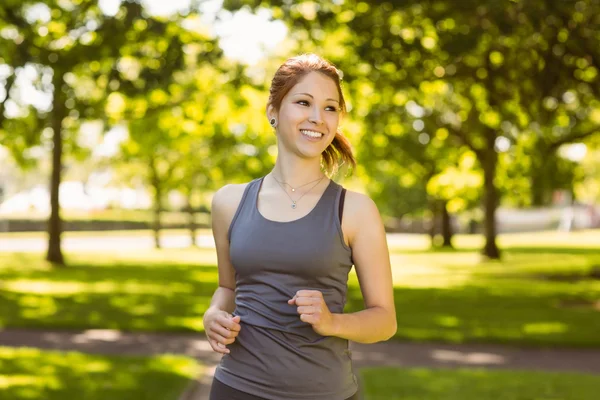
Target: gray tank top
column 276, row 355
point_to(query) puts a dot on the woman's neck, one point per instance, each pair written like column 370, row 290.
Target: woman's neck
column 296, row 173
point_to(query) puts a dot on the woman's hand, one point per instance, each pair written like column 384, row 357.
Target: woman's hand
column 221, row 329
column 313, row 310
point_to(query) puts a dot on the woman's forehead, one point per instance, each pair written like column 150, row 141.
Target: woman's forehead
column 316, row 84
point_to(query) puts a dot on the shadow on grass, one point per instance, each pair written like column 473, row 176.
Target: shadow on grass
column 51, row 375
column 165, row 296
column 555, row 250
column 504, row 250
column 121, row 296
column 519, row 313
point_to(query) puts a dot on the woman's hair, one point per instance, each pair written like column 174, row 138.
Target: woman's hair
column 339, row 152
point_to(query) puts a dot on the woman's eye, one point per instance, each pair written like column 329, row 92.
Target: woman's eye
column 332, row 108
column 303, row 102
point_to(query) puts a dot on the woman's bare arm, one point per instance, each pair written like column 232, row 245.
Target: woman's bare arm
column 367, row 238
column 221, row 328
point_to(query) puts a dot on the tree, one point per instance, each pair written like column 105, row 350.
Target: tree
column 83, row 57
column 480, row 49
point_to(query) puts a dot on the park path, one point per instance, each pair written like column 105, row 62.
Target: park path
column 392, row 353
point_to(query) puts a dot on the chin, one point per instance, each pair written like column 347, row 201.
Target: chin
column 309, row 154
column 312, row 148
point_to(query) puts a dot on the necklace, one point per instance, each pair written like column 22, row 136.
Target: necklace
column 298, row 187
column 296, row 201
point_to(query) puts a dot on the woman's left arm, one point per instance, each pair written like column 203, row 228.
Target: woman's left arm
column 367, row 238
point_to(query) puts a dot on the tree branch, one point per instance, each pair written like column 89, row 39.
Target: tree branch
column 9, row 84
column 27, row 44
column 458, row 133
column 574, row 137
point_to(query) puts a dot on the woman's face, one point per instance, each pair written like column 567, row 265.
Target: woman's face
column 309, row 115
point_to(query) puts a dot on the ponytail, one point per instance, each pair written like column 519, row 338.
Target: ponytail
column 337, row 154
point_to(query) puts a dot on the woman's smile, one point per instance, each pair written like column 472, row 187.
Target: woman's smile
column 311, row 135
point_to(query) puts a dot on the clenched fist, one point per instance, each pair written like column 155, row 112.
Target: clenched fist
column 313, row 310
column 221, row 329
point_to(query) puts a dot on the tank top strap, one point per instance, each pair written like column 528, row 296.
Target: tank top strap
column 248, row 197
column 326, row 208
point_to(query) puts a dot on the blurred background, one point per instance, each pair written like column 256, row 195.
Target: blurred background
column 476, row 125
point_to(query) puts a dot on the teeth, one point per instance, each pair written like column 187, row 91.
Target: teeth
column 311, row 133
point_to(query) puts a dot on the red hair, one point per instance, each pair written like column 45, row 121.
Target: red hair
column 339, row 152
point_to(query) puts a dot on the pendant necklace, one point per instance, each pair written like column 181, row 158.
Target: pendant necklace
column 296, row 201
column 298, row 187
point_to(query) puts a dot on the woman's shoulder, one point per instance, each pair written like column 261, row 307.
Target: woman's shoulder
column 358, row 206
column 360, row 214
column 227, row 199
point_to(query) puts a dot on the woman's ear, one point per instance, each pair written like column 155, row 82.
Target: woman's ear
column 271, row 116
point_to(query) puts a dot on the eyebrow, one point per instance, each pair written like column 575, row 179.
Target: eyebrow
column 311, row 96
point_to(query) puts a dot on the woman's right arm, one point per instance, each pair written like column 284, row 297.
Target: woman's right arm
column 220, row 327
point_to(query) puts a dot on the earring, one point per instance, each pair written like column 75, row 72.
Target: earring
column 272, row 122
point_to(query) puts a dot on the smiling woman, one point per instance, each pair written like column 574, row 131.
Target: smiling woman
column 286, row 243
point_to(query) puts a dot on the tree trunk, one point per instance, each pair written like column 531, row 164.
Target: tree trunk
column 434, row 217
column 490, row 203
column 54, row 254
column 446, row 225
column 192, row 220
column 539, row 180
column 157, row 204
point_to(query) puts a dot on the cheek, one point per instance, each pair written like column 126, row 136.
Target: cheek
column 290, row 114
column 333, row 120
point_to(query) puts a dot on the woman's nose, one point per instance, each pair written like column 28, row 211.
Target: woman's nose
column 315, row 117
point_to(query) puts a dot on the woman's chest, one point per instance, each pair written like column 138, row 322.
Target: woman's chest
column 287, row 249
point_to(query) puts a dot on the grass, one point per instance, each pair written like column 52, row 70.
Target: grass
column 133, row 292
column 51, row 375
column 541, row 294
column 473, row 384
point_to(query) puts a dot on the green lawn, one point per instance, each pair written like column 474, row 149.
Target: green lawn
column 473, row 384
column 543, row 292
column 31, row 374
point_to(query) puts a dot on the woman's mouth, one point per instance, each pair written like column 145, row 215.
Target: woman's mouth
column 311, row 135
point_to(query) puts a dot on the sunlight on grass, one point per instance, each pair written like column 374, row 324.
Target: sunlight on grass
column 150, row 257
column 74, row 287
column 51, row 375
column 475, row 384
column 536, row 295
column 27, row 380
column 522, row 254
column 541, row 295
column 578, row 239
column 153, row 291
column 545, row 328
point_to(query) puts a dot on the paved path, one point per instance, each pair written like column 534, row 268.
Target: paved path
column 392, row 353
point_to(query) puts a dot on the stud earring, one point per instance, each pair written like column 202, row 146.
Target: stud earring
column 272, row 122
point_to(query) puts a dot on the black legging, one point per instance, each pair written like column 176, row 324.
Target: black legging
column 220, row 391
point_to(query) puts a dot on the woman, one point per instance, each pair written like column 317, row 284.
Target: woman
column 285, row 245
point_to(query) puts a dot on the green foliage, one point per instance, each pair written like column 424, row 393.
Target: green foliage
column 489, row 74
column 89, row 64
